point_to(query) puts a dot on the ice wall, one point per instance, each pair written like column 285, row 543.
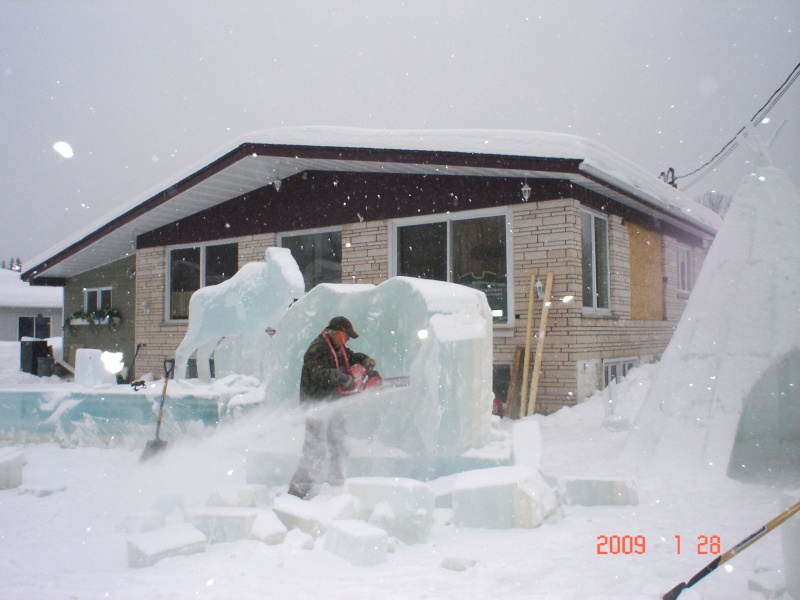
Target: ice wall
column 240, row 310
column 439, row 334
column 741, row 323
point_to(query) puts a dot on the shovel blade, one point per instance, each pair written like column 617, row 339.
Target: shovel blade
column 152, row 448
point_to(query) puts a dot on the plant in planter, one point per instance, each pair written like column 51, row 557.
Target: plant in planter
column 111, row 317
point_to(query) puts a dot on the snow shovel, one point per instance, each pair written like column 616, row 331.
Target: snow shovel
column 723, row 558
column 157, row 445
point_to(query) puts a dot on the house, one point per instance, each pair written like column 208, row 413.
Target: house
column 27, row 311
column 489, row 209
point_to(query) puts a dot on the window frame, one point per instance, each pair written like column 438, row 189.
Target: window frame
column 449, row 218
column 202, row 246
column 594, row 309
column 315, row 231
column 622, row 365
column 99, row 305
column 34, row 321
column 685, row 256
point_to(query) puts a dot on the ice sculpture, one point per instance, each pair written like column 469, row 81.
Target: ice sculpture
column 242, row 307
column 439, row 334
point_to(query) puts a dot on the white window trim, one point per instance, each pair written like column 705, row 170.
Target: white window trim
column 99, row 291
column 168, row 269
column 687, row 251
column 593, row 310
column 449, row 217
column 631, row 361
column 279, row 236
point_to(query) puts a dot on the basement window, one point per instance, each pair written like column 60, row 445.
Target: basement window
column 618, row 368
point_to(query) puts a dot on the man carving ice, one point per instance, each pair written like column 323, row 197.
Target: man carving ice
column 324, row 378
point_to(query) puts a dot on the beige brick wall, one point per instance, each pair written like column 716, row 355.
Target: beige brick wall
column 365, row 252
column 546, row 236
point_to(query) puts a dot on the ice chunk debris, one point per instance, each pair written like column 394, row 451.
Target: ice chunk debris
column 502, row 498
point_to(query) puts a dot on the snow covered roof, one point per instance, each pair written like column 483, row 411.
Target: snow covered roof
column 260, row 158
column 15, row 293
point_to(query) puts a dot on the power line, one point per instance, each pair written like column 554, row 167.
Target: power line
column 756, row 120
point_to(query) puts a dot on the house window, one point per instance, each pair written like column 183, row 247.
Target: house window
column 465, row 249
column 191, row 268
column 684, row 268
column 318, row 254
column 96, row 300
column 594, row 239
column 34, row 327
column 616, row 369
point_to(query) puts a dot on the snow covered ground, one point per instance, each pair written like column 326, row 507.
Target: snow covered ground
column 61, row 534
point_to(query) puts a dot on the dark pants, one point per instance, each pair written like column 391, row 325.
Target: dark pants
column 325, row 431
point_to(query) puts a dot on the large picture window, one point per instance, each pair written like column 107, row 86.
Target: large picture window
column 195, row 267
column 318, row 254
column 469, row 250
column 594, row 239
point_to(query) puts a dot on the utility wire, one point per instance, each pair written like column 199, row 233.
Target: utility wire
column 756, row 120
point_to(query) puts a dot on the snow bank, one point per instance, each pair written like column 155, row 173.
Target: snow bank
column 736, row 351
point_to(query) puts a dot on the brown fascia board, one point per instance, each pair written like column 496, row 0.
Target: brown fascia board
column 423, row 157
column 142, row 208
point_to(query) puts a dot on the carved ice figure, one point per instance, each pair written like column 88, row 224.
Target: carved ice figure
column 242, row 307
column 437, row 334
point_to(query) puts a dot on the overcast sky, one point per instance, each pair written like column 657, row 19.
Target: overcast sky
column 143, row 89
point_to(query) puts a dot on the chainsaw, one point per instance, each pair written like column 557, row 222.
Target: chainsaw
column 367, row 380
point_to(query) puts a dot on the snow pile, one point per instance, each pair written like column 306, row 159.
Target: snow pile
column 18, row 294
column 728, row 385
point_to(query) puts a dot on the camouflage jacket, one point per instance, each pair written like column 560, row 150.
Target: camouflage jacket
column 320, row 377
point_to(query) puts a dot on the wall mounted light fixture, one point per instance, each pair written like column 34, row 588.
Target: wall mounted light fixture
column 526, row 191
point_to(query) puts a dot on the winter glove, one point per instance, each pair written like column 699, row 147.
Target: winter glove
column 348, row 384
column 368, row 363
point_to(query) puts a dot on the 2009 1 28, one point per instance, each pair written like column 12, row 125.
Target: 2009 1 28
column 637, row 544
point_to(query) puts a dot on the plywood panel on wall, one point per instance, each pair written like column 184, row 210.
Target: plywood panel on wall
column 647, row 274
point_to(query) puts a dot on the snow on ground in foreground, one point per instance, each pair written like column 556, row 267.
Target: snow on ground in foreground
column 67, row 545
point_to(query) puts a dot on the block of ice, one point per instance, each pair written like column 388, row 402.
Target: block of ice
column 527, row 443
column 141, row 522
column 146, row 549
column 403, row 507
column 357, row 542
column 439, row 334
column 89, row 369
column 502, row 498
column 597, row 491
column 251, row 495
column 11, row 462
column 310, row 517
column 268, row 528
column 244, row 306
column 224, row 523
